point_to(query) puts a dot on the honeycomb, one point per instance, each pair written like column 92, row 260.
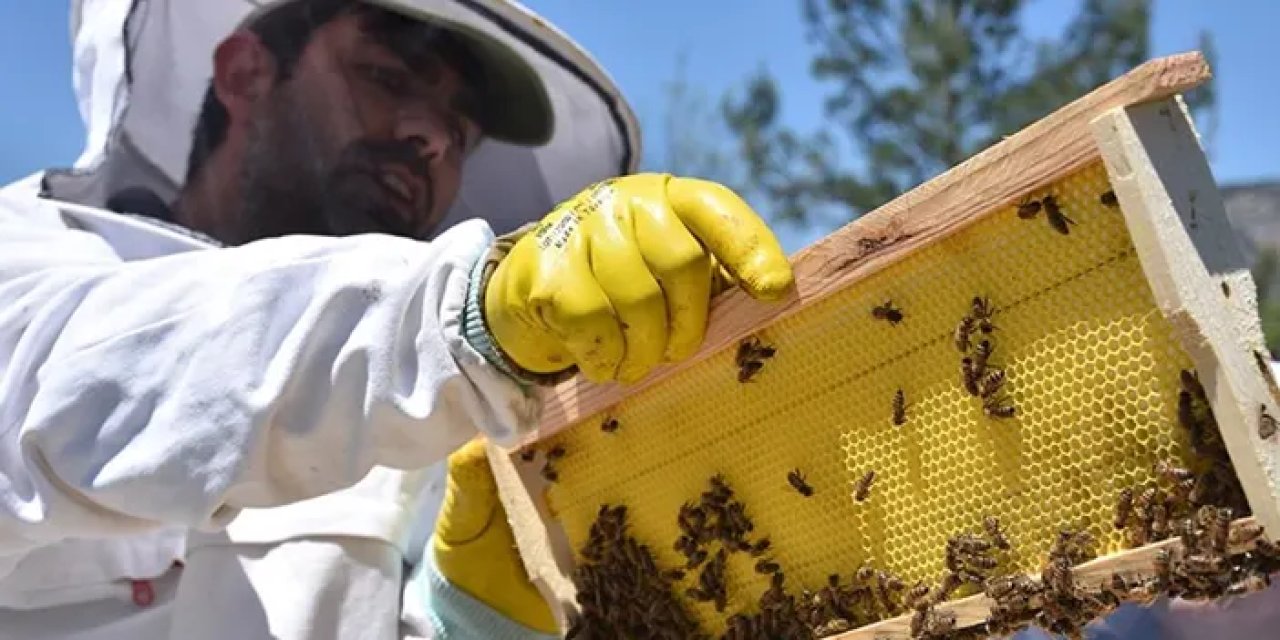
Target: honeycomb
column 1092, row 368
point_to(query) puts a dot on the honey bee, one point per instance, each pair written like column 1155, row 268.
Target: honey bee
column 1181, row 493
column 998, row 408
column 1159, row 521
column 872, row 244
column 609, row 425
column 696, row 558
column 1252, row 583
column 1266, row 549
column 735, row 518
column 982, row 309
column 673, row 575
column 963, row 333
column 639, row 555
column 919, row 591
column 967, row 543
column 1144, row 591
column 766, row 566
column 1219, row 529
column 691, row 520
column 916, row 628
column 1108, row 199
column 1145, row 499
column 694, row 593
column 1266, row 423
column 950, row 583
column 760, row 546
column 1117, row 586
column 1072, row 545
column 969, row 376
column 549, row 473
column 615, row 516
column 883, row 588
column 714, row 573
column 1191, row 384
column 1028, row 208
column 981, row 354
column 951, row 559
column 1057, row 576
column 747, row 371
column 890, row 581
column 720, row 487
column 991, row 383
column 887, row 312
column 983, row 563
column 862, row 490
column 752, row 348
column 1124, row 508
column 1162, row 564
column 1028, row 585
column 865, row 573
column 832, row 627
column 797, row 482
column 739, row 626
column 1203, row 563
column 938, row 623
column 992, row 526
column 999, row 587
column 1172, row 473
column 686, row 545
column 899, row 408
column 751, row 356
column 556, row 452
column 1245, row 534
column 1186, row 413
column 1057, row 219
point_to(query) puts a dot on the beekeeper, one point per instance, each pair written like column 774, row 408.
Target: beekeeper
column 240, row 337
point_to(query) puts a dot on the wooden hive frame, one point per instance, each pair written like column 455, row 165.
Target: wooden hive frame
column 1139, row 128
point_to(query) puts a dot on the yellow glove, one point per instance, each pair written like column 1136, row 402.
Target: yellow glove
column 474, row 548
column 618, row 279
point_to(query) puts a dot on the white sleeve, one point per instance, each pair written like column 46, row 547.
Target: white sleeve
column 174, row 390
column 309, row 588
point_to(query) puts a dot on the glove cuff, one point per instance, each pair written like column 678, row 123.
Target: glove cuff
column 476, row 331
column 454, row 613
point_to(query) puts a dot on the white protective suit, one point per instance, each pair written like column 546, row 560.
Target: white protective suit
column 170, row 410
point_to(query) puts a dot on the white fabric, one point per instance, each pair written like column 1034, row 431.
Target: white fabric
column 108, row 613
column 172, row 390
column 310, row 588
column 337, row 589
column 85, row 570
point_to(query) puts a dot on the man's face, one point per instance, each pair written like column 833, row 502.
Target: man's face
column 366, row 135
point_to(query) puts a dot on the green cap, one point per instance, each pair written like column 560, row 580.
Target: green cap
column 514, row 106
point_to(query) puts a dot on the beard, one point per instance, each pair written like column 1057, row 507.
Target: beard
column 297, row 177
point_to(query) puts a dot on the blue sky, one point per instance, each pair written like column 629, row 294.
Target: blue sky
column 723, row 41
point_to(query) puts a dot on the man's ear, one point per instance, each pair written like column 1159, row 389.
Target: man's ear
column 243, row 71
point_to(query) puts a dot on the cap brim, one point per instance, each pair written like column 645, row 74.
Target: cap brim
column 517, row 109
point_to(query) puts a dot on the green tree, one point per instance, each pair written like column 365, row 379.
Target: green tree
column 918, row 86
column 1265, row 271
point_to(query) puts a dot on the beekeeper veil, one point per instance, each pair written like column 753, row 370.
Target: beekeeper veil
column 555, row 120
